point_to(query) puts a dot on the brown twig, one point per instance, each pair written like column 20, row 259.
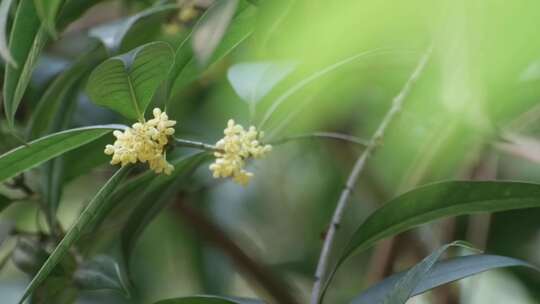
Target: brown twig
column 278, row 290
column 397, row 102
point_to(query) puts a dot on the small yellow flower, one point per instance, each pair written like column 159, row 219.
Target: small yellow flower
column 144, row 142
column 235, row 148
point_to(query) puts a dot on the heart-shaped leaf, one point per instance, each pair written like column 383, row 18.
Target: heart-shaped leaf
column 74, row 233
column 253, row 80
column 127, row 83
column 100, row 273
column 442, row 273
column 209, row 31
column 209, row 300
column 43, row 149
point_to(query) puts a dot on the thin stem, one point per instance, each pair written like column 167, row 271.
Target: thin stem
column 397, row 103
column 322, row 135
column 195, row 144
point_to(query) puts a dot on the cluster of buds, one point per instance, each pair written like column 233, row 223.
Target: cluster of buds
column 144, row 142
column 235, row 149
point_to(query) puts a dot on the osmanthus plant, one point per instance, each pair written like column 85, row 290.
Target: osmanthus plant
column 130, row 69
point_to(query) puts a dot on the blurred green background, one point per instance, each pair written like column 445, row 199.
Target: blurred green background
column 473, row 114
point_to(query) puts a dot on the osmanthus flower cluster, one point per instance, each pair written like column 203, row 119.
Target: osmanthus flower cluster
column 235, row 149
column 144, row 142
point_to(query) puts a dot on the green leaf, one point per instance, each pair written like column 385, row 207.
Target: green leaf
column 114, row 36
column 75, row 232
column 186, row 68
column 5, row 5
column 94, row 157
column 73, row 10
column 100, row 273
column 4, row 203
column 26, row 41
column 59, row 90
column 53, row 171
column 210, row 300
column 440, row 200
column 43, row 149
column 437, row 201
column 252, row 81
column 126, row 83
column 405, row 286
column 442, row 273
column 313, row 77
column 210, row 29
column 155, row 197
column 47, row 11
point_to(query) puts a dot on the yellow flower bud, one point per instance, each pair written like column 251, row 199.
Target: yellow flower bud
column 236, row 147
column 144, row 142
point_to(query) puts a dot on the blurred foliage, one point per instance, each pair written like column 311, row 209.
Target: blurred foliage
column 472, row 115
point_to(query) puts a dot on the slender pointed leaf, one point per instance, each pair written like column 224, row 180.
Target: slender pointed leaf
column 5, row 6
column 72, row 10
column 440, row 200
column 112, row 217
column 94, row 157
column 43, row 149
column 521, row 146
column 436, row 201
column 187, row 70
column 405, row 286
column 47, row 11
column 59, row 89
column 253, row 80
column 53, row 170
column 127, row 83
column 114, row 35
column 210, row 29
column 27, row 38
column 442, row 273
column 156, row 196
column 210, row 300
column 73, row 234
